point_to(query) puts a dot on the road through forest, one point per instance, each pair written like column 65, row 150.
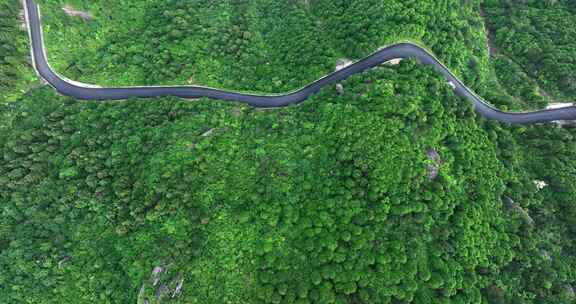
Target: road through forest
column 400, row 50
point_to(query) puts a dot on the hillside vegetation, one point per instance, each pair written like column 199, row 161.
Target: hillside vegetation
column 264, row 45
column 539, row 35
column 15, row 75
column 393, row 191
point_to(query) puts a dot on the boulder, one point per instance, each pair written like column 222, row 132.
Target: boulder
column 545, row 255
column 342, row 63
column 339, row 89
column 540, row 184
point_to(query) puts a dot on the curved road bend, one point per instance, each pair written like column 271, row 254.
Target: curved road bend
column 401, row 50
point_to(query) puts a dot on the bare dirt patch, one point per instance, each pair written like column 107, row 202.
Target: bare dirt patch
column 72, row 12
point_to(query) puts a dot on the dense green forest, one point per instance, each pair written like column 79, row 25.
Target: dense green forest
column 539, row 36
column 394, row 191
column 15, row 75
column 264, row 45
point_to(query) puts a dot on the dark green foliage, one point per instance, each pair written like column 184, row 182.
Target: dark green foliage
column 326, row 202
column 266, row 46
column 8, row 52
column 519, row 85
column 539, row 35
column 12, row 55
column 72, row 191
column 333, row 196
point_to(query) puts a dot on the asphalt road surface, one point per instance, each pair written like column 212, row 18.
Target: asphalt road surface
column 400, row 50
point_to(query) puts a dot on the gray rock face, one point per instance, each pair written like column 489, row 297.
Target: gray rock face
column 570, row 293
column 155, row 277
column 545, row 255
column 63, row 262
column 142, row 294
column 161, row 291
column 160, row 286
column 208, row 133
column 179, row 282
column 434, row 167
column 516, row 208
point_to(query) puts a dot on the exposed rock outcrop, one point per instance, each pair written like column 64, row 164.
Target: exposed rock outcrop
column 178, row 283
column 517, row 209
column 155, row 277
column 161, row 286
column 161, row 291
column 208, row 133
column 540, row 184
column 434, row 167
column 569, row 292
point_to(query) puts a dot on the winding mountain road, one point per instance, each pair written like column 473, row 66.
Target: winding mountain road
column 401, row 50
